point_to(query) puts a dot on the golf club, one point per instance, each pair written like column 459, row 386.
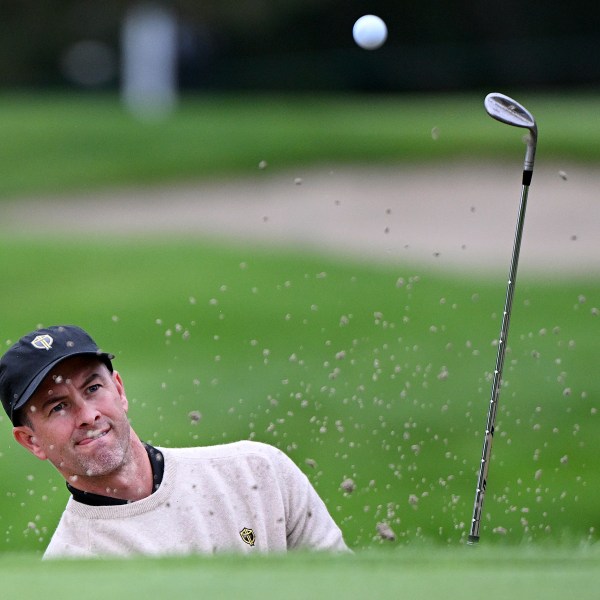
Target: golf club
column 505, row 110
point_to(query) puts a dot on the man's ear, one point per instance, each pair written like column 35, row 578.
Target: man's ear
column 121, row 389
column 26, row 437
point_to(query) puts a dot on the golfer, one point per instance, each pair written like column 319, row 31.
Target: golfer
column 69, row 406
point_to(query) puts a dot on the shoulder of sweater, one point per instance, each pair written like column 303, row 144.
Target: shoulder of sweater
column 231, row 450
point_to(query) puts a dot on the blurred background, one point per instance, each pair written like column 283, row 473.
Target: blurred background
column 304, row 44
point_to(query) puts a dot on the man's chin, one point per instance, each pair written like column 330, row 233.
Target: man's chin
column 102, row 464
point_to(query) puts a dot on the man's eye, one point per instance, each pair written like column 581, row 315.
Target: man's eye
column 94, row 388
column 57, row 407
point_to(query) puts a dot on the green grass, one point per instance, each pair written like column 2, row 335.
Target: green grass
column 55, row 143
column 337, row 362
column 422, row 572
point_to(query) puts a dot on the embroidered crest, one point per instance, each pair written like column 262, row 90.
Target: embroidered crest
column 248, row 536
column 42, row 342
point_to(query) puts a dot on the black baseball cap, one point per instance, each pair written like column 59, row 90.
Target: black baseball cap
column 24, row 366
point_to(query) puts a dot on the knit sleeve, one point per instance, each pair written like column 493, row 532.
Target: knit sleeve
column 308, row 522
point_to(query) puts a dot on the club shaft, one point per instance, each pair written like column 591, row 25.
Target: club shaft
column 497, row 379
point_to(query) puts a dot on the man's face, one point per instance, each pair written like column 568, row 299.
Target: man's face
column 77, row 419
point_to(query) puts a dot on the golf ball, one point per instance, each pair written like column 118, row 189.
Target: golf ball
column 369, row 32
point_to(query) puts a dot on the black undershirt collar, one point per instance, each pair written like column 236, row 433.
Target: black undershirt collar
column 158, row 468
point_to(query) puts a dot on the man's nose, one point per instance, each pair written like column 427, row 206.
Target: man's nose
column 87, row 413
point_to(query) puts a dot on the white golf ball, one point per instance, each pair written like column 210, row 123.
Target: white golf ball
column 369, row 32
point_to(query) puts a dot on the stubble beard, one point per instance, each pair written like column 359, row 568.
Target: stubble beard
column 107, row 459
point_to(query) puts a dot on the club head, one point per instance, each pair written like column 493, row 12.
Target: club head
column 505, row 109
column 509, row 111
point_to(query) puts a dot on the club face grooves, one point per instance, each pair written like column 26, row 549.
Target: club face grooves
column 506, row 110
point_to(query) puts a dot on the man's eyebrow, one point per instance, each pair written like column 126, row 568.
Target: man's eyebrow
column 90, row 378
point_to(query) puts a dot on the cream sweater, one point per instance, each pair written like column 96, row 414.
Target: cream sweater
column 241, row 497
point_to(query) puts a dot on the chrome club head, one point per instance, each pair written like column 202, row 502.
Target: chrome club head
column 509, row 111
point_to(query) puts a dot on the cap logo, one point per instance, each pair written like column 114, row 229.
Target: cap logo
column 42, row 342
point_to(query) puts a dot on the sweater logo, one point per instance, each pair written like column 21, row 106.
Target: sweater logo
column 247, row 536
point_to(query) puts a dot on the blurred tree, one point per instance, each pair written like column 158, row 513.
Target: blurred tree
column 34, row 35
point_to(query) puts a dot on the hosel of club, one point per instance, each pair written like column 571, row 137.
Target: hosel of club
column 497, row 380
column 530, row 156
